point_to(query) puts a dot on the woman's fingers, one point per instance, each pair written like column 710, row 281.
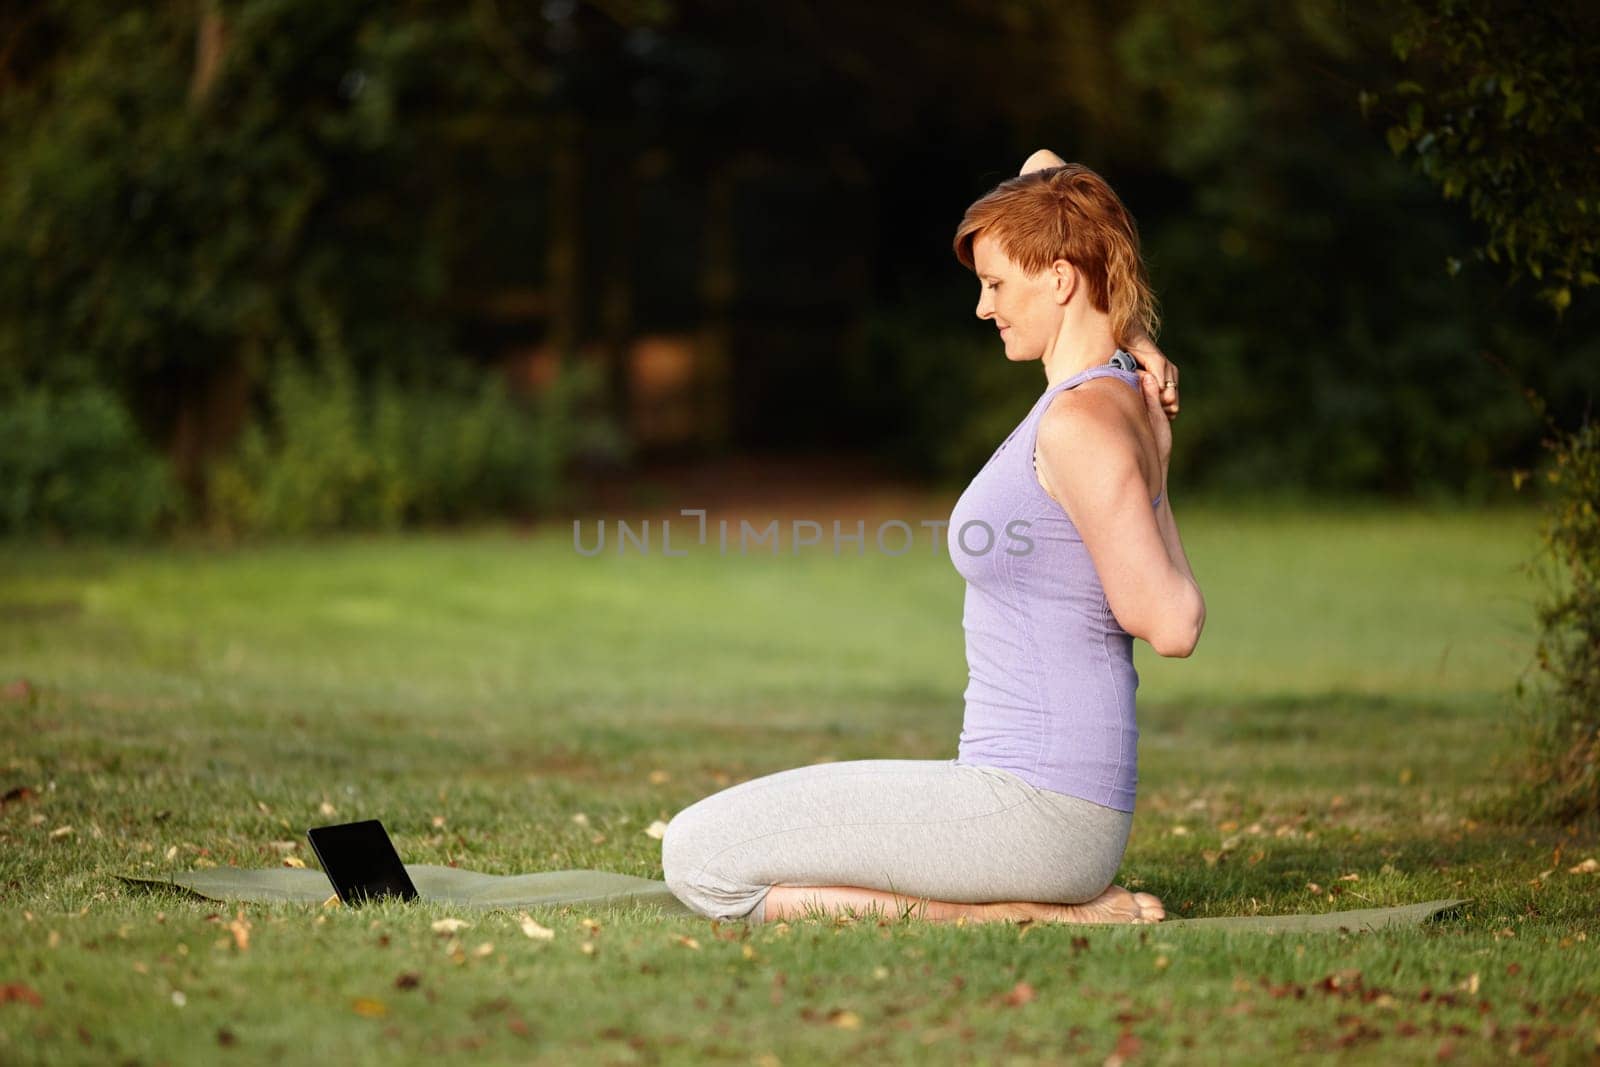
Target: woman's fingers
column 1040, row 160
column 1152, row 359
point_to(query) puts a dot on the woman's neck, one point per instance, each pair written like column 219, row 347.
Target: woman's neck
column 1084, row 341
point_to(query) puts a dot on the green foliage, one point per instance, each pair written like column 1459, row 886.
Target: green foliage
column 1500, row 109
column 943, row 402
column 1561, row 712
column 334, row 453
column 71, row 462
column 153, row 229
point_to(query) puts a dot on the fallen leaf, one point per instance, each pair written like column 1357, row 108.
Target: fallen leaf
column 688, row 942
column 63, row 831
column 283, row 846
column 16, row 795
column 1021, row 993
column 240, row 929
column 580, row 818
column 294, row 861
column 531, row 928
column 326, row 808
column 331, row 902
column 1588, row 866
column 369, row 1007
column 449, row 926
column 1128, row 1044
column 1351, row 877
column 485, row 949
column 178, row 998
column 588, row 923
column 437, row 821
column 19, row 993
column 657, row 829
column 657, row 777
column 844, row 1020
column 408, row 980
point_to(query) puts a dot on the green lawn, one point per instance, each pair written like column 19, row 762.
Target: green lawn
column 1348, row 703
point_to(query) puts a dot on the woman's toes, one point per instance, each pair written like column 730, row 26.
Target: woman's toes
column 1150, row 908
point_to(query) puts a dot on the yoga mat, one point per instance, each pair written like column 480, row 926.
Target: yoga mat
column 450, row 885
column 453, row 885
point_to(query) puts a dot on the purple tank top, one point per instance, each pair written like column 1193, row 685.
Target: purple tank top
column 1051, row 681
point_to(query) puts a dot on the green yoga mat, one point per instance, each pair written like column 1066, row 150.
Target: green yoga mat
column 472, row 889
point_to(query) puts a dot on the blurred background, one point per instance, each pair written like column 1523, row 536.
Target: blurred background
column 284, row 265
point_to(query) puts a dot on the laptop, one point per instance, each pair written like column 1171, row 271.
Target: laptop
column 361, row 862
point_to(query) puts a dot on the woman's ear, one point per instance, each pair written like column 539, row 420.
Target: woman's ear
column 1063, row 280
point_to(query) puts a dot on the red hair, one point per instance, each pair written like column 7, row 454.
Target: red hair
column 1070, row 213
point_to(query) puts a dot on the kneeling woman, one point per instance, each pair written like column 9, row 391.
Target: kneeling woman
column 1031, row 819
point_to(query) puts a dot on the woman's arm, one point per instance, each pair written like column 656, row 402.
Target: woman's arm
column 1088, row 448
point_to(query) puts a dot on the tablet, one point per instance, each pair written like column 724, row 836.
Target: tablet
column 361, row 862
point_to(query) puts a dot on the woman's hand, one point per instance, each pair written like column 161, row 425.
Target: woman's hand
column 1160, row 421
column 1159, row 369
column 1040, row 160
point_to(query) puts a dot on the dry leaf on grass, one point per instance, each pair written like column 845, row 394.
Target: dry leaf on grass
column 449, row 926
column 369, row 1007
column 295, row 862
column 1588, row 866
column 19, row 993
column 1021, row 993
column 531, row 928
column 657, row 829
column 240, row 929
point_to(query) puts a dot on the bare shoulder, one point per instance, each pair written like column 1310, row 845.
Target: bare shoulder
column 1102, row 418
column 1100, row 407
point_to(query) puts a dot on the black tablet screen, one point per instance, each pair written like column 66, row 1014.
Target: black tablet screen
column 360, row 861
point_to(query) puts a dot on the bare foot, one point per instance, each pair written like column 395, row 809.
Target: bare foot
column 1115, row 905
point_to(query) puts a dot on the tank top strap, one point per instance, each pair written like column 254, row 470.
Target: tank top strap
column 1131, row 377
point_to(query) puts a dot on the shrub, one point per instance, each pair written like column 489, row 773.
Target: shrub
column 334, row 453
column 72, row 462
column 1560, row 711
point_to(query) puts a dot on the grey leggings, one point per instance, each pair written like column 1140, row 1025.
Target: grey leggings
column 923, row 828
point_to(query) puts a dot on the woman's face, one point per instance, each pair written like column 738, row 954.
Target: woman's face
column 1025, row 308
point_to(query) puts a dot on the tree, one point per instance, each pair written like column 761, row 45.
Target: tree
column 1503, row 110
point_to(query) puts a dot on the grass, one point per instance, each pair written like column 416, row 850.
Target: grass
column 1347, row 709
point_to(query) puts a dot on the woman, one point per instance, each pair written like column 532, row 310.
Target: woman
column 1031, row 819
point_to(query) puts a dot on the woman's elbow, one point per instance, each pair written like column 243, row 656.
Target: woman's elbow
column 1180, row 632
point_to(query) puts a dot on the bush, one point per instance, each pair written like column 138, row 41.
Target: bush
column 72, row 462
column 1560, row 780
column 333, row 453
